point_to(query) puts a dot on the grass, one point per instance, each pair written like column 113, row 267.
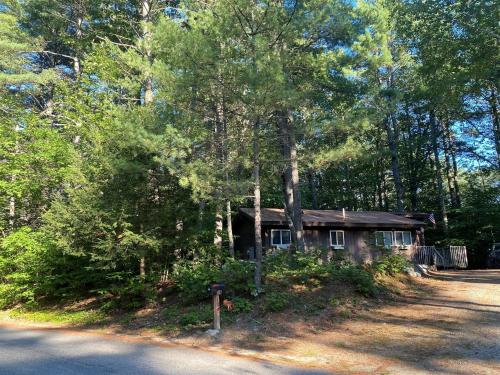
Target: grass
column 86, row 317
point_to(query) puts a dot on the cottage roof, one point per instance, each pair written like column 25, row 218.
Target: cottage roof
column 334, row 218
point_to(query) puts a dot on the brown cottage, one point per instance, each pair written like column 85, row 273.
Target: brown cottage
column 359, row 234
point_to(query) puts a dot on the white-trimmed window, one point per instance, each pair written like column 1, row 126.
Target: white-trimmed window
column 384, row 238
column 281, row 238
column 402, row 238
column 337, row 239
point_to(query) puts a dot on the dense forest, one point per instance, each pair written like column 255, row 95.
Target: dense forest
column 131, row 131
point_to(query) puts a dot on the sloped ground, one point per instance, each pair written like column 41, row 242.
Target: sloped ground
column 451, row 327
column 446, row 324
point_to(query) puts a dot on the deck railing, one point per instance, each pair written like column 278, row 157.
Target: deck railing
column 424, row 255
column 452, row 257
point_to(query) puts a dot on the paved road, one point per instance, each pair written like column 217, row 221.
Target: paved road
column 42, row 352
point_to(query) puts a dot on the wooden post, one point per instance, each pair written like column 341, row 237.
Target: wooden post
column 216, row 299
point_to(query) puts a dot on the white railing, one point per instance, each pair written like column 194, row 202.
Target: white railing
column 452, row 257
column 424, row 255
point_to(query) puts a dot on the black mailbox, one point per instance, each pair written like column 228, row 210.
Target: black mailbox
column 214, row 288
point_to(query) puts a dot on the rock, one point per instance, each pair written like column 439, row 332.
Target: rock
column 213, row 332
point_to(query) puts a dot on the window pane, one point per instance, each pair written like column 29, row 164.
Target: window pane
column 340, row 238
column 379, row 237
column 275, row 237
column 285, row 237
column 398, row 238
column 387, row 239
column 406, row 238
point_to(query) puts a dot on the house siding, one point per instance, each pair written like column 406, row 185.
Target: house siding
column 359, row 244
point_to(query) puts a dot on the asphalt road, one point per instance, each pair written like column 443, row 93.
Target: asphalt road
column 44, row 352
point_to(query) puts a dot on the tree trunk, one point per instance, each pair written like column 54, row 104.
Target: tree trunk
column 218, row 146
column 218, row 227
column 12, row 211
column 453, row 151
column 78, row 21
column 286, row 176
column 493, row 99
column 291, row 174
column 297, row 200
column 179, row 227
column 390, row 127
column 142, row 267
column 256, row 204
column 148, row 54
column 142, row 261
column 312, row 188
column 12, row 199
column 437, row 164
column 201, row 214
column 147, row 85
column 379, row 190
column 447, row 167
column 230, row 237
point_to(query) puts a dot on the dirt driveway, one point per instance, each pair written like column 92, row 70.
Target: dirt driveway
column 451, row 327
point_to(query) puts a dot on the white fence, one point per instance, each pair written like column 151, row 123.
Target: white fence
column 452, row 257
column 424, row 255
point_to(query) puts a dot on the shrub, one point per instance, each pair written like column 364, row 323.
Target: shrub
column 390, row 264
column 192, row 279
column 297, row 266
column 25, row 267
column 196, row 316
column 361, row 279
column 242, row 305
column 170, row 313
column 276, row 301
column 238, row 277
column 128, row 292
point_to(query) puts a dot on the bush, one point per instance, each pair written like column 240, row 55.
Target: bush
column 361, row 279
column 276, row 301
column 196, row 316
column 25, row 267
column 391, row 264
column 297, row 266
column 238, row 277
column 193, row 277
column 128, row 292
column 242, row 305
column 171, row 313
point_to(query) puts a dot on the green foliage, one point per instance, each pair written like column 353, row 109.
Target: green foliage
column 193, row 278
column 275, row 301
column 59, row 316
column 361, row 279
column 126, row 292
column 94, row 179
column 296, row 266
column 196, row 316
column 391, row 264
column 237, row 275
column 26, row 261
column 242, row 305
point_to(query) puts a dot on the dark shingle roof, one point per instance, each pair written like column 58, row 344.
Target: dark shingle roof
column 366, row 219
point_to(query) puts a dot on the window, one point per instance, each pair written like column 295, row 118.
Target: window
column 281, row 238
column 337, row 239
column 402, row 238
column 383, row 238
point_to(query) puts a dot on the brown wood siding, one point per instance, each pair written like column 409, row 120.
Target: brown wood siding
column 359, row 244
